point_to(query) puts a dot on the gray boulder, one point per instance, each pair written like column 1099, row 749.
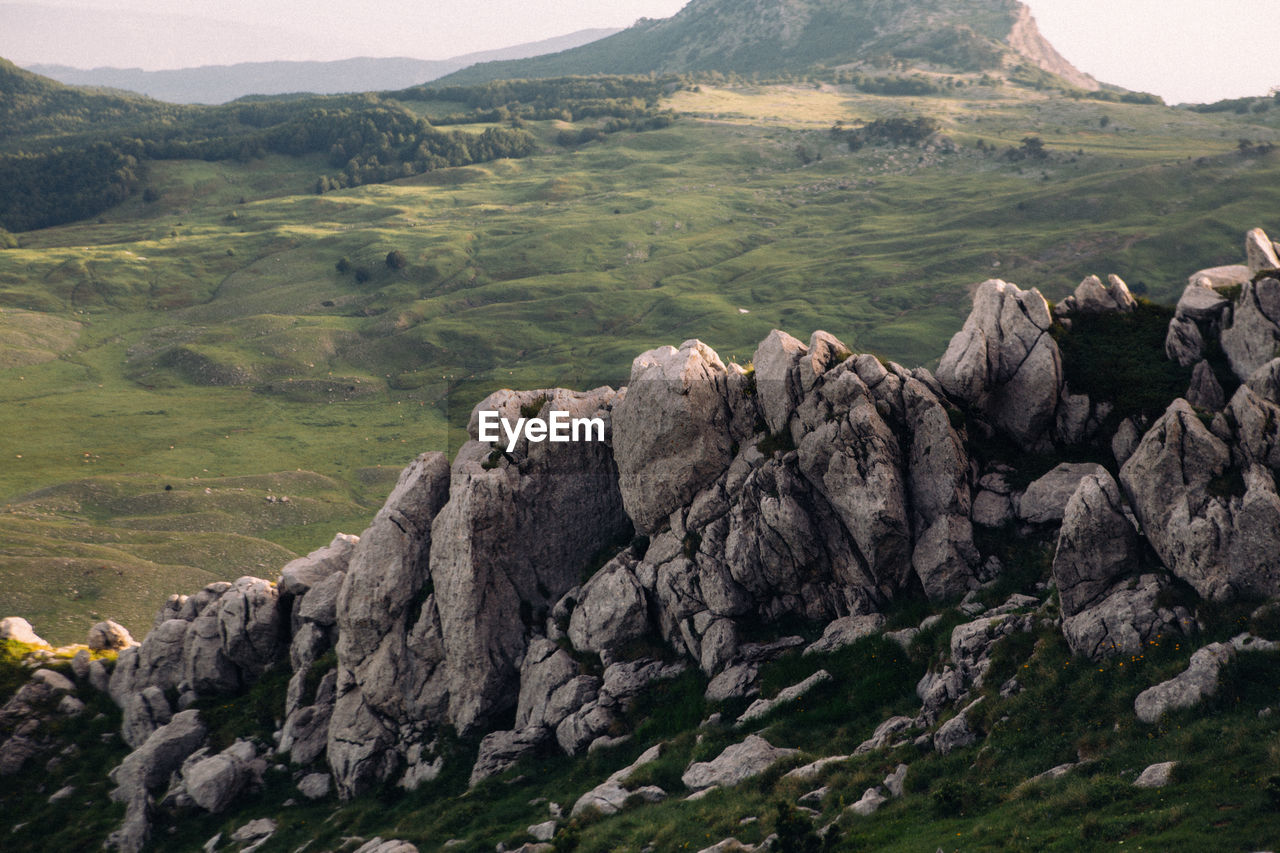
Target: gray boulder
column 501, row 751
column 846, row 631
column 1096, row 545
column 761, row 708
column 871, row 801
column 300, row 575
column 1045, row 500
column 611, row 795
column 612, row 610
column 954, row 734
column 734, row 682
column 735, row 764
column 883, row 734
column 109, row 636
column 20, row 631
column 392, row 845
column 315, row 786
column 673, row 430
column 1250, row 341
column 1004, row 362
column 1156, row 776
column 214, row 782
column 1187, row 689
column 1125, row 620
column 249, row 625
column 1260, row 252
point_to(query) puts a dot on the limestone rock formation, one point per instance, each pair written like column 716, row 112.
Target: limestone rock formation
column 1212, row 525
column 1126, row 620
column 1096, row 545
column 673, row 430
column 1045, row 500
column 501, row 548
column 388, row 649
column 1091, row 296
column 1004, row 362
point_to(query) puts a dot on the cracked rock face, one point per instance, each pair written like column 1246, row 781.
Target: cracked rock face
column 673, row 430
column 502, row 553
column 385, row 651
column 1251, row 340
column 1096, row 545
column 1125, row 620
column 1004, row 362
column 1213, row 525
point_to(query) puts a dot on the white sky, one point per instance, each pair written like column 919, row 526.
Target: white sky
column 1184, row 50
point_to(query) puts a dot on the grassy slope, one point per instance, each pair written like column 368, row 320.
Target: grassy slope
column 209, row 335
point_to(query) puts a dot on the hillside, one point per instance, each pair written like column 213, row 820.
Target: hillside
column 216, row 84
column 822, row 602
column 797, row 35
column 209, row 322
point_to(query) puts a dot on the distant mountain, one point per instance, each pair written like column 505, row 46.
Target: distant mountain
column 778, row 35
column 215, row 84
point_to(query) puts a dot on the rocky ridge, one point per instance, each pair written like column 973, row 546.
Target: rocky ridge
column 816, row 486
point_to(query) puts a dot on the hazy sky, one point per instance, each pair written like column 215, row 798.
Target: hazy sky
column 1185, row 50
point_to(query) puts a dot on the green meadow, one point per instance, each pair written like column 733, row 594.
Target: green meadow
column 172, row 369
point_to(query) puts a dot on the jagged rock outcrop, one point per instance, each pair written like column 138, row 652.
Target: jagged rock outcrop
column 1127, row 620
column 501, row 548
column 1205, row 392
column 145, row 770
column 1004, row 363
column 388, row 648
column 674, row 429
column 1212, row 525
column 1260, row 252
column 1091, row 296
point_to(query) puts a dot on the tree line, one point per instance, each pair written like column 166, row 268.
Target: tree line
column 365, row 140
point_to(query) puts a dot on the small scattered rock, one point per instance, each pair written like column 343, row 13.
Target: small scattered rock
column 872, row 800
column 1156, row 776
column 763, row 707
column 314, row 786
